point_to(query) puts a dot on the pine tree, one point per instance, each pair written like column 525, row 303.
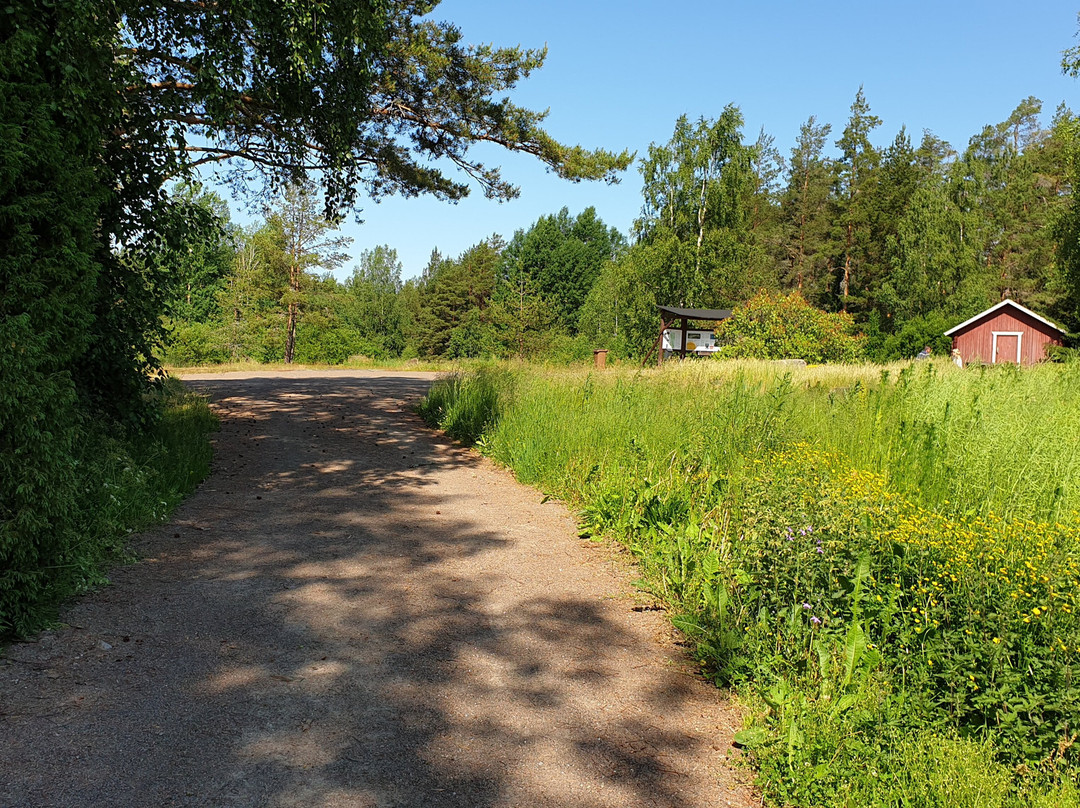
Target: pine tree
column 856, row 175
column 805, row 209
column 307, row 244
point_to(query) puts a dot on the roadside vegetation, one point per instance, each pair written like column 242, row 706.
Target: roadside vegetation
column 353, row 363
column 61, row 538
column 882, row 561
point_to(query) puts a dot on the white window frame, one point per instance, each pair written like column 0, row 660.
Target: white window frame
column 1019, row 342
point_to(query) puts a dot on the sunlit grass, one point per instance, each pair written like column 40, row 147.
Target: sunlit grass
column 872, row 551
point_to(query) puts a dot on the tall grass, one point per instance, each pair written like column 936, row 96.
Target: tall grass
column 466, row 405
column 981, row 440
column 872, row 555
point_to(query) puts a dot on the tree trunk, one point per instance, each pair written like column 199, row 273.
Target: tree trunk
column 290, row 333
column 845, row 283
column 802, row 224
column 701, row 228
column 293, row 312
column 521, row 318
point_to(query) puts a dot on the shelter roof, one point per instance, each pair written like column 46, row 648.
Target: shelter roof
column 696, row 314
column 992, row 309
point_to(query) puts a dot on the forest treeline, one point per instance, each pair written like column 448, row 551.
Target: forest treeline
column 907, row 238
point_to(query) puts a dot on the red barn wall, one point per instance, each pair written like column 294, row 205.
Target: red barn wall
column 976, row 342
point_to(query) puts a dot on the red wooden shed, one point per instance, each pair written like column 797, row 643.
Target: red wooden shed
column 1006, row 332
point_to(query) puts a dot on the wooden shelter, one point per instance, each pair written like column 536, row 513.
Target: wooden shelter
column 669, row 315
column 1007, row 332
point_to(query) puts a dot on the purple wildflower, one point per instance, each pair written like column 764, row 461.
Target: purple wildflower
column 806, row 605
column 815, row 620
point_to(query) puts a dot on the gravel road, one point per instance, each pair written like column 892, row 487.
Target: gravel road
column 352, row 611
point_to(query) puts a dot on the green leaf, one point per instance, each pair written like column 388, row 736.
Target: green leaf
column 751, row 737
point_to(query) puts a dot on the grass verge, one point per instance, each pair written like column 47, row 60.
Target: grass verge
column 884, row 562
column 114, row 485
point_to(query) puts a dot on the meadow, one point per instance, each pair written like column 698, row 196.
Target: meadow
column 882, row 562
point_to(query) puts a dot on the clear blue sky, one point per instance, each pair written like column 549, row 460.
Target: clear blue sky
column 618, row 74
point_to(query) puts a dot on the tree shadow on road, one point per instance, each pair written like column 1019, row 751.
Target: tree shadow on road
column 333, row 621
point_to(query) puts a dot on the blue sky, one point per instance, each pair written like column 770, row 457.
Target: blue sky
column 618, row 74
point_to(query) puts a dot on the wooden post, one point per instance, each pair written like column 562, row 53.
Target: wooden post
column 682, row 350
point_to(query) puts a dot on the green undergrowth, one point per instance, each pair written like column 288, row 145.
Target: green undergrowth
column 465, row 405
column 882, row 562
column 106, row 485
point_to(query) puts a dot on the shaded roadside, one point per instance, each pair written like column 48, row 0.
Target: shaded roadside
column 353, row 612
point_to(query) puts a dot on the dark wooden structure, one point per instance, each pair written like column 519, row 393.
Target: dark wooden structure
column 1007, row 332
column 670, row 315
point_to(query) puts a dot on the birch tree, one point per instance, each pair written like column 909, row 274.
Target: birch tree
column 694, row 184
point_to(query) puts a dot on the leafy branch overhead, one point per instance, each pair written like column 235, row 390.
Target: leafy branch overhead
column 365, row 95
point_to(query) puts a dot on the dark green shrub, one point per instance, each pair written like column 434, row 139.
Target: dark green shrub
column 1061, row 353
column 913, row 336
column 105, row 485
column 317, row 345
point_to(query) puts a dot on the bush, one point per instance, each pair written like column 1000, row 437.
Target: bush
column 1062, row 353
column 317, row 345
column 191, row 344
column 912, row 337
column 113, row 484
column 776, row 326
column 473, row 338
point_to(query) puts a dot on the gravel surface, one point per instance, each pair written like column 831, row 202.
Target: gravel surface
column 352, row 611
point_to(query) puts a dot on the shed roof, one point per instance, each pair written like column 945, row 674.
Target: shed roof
column 696, row 314
column 1003, row 303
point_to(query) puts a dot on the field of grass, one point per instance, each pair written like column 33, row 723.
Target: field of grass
column 882, row 561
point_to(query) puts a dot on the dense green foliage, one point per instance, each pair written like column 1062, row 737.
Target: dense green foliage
column 368, row 96
column 102, row 104
column 104, row 486
column 496, row 299
column 776, row 326
column 68, row 313
column 886, row 567
column 908, row 241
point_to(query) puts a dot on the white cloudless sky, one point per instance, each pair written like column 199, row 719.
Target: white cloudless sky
column 618, row 74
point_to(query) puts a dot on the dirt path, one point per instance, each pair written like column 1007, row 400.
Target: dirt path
column 353, row 612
